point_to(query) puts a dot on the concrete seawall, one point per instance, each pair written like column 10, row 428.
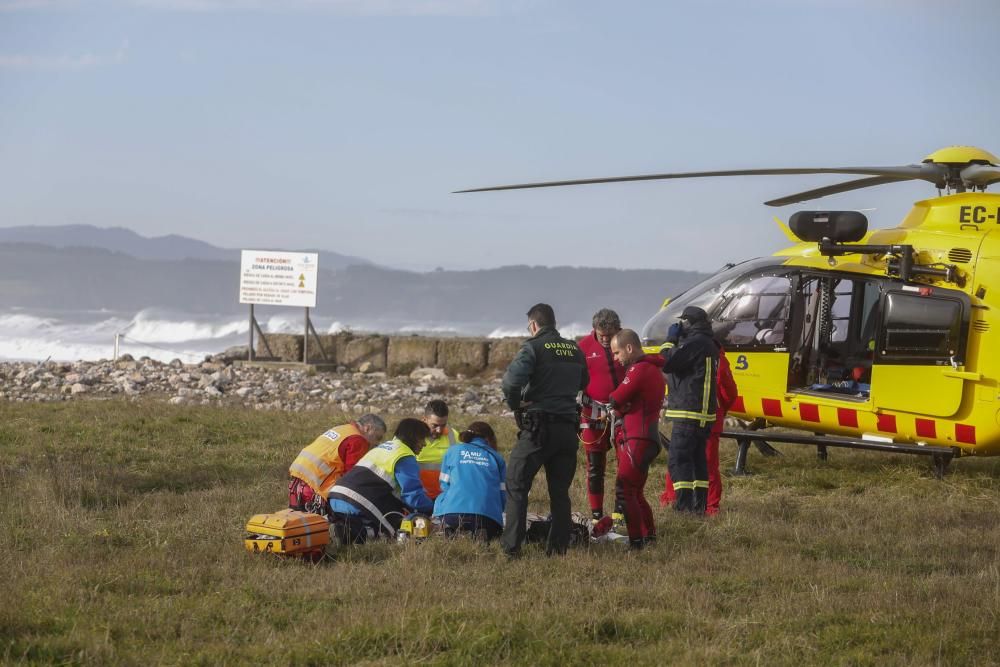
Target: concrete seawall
column 396, row 355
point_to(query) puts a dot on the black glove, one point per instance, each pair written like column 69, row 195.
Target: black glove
column 674, row 332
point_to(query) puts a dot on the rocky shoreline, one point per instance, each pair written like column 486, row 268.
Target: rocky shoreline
column 217, row 381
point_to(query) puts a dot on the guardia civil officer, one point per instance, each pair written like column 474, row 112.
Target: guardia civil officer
column 541, row 386
column 691, row 362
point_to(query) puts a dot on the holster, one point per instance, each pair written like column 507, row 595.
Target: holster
column 528, row 421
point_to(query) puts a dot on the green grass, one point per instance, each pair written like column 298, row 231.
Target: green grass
column 122, row 526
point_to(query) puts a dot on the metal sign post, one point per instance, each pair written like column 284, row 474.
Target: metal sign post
column 310, row 329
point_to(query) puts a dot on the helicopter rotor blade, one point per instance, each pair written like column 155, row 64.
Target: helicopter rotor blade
column 834, row 189
column 980, row 175
column 928, row 172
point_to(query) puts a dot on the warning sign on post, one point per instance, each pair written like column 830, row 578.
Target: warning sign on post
column 278, row 278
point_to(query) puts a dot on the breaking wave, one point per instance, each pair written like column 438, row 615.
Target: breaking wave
column 161, row 334
column 571, row 330
column 155, row 330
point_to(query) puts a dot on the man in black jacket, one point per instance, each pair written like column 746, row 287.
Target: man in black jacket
column 541, row 386
column 691, row 362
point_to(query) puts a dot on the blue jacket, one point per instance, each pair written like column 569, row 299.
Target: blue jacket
column 473, row 477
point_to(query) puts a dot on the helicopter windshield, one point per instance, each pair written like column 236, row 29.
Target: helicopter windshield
column 705, row 294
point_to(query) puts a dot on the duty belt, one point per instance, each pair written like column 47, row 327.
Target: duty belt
column 531, row 420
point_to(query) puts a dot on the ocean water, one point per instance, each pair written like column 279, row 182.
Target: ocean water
column 89, row 335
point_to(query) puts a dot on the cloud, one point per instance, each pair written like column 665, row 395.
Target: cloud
column 349, row 7
column 80, row 62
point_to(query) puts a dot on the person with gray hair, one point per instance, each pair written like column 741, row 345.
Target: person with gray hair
column 318, row 467
column 606, row 320
column 595, row 424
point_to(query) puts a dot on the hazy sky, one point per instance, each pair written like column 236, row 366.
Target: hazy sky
column 346, row 124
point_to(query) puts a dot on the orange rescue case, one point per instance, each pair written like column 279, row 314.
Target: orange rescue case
column 289, row 533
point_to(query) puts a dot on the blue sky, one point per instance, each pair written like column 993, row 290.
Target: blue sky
column 346, row 124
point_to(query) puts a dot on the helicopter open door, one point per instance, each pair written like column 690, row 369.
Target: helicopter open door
column 835, row 326
column 872, row 341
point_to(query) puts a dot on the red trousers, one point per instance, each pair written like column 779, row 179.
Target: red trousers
column 596, row 443
column 634, row 457
column 714, row 478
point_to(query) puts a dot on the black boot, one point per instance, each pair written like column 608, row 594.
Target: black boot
column 684, row 500
column 700, row 501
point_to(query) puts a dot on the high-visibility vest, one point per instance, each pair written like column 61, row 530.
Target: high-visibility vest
column 319, row 464
column 371, row 485
column 382, row 461
column 430, row 458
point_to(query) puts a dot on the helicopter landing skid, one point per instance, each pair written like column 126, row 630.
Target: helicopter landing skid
column 940, row 456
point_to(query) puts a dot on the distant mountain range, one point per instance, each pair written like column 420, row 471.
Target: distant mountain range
column 120, row 239
column 73, row 271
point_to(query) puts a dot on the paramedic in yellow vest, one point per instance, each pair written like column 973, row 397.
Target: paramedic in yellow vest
column 372, row 499
column 321, row 464
column 442, row 437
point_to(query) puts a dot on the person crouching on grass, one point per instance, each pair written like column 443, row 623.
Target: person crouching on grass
column 638, row 399
column 372, row 497
column 473, row 489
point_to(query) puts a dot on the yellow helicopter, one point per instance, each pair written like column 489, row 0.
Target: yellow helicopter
column 883, row 340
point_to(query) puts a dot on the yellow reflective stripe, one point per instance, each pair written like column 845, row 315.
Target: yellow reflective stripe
column 708, row 385
column 308, row 476
column 666, row 346
column 684, row 414
column 700, row 484
column 680, row 486
column 324, row 467
column 429, row 466
column 383, row 475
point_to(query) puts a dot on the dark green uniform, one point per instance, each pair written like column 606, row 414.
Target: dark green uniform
column 541, row 385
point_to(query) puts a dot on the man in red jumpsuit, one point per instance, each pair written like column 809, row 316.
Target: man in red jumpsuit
column 726, row 393
column 595, row 426
column 638, row 399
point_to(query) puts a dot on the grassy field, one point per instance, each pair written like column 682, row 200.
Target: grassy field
column 122, row 526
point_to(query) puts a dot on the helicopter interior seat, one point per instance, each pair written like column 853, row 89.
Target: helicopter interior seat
column 770, row 333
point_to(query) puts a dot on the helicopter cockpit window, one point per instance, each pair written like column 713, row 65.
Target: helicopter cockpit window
column 921, row 328
column 707, row 294
column 755, row 313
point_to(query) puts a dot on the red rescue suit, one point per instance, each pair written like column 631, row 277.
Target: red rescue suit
column 726, row 392
column 639, row 399
column 595, row 429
